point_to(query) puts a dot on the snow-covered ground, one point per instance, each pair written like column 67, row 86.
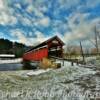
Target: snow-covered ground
column 37, row 72
column 67, row 83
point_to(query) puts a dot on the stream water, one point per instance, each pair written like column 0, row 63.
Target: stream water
column 11, row 66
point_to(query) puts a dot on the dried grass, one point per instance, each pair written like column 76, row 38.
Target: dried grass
column 47, row 63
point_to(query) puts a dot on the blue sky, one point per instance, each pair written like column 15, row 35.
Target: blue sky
column 33, row 21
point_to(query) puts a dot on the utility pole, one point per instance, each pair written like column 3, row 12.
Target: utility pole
column 82, row 52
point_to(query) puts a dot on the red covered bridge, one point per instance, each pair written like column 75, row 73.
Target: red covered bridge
column 51, row 47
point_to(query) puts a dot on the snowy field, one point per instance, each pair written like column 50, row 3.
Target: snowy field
column 67, row 83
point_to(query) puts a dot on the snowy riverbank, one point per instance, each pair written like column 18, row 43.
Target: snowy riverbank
column 66, row 83
column 16, row 60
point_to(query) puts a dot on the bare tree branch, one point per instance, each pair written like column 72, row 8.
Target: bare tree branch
column 92, row 42
column 98, row 35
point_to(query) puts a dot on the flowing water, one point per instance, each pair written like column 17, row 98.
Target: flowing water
column 11, row 66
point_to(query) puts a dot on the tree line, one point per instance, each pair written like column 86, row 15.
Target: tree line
column 9, row 47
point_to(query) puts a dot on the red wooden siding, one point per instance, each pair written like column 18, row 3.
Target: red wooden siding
column 44, row 49
column 36, row 55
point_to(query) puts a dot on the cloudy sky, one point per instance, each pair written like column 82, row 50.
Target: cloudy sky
column 33, row 21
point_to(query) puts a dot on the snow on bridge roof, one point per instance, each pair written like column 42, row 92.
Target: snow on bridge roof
column 45, row 42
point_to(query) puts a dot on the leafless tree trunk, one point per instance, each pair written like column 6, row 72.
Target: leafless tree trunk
column 82, row 52
column 96, row 40
column 98, row 35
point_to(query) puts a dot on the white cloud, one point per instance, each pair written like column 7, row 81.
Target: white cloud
column 1, row 4
column 18, row 5
column 36, row 11
column 59, row 35
column 6, row 16
column 45, row 21
column 29, row 9
column 87, row 3
column 40, row 37
column 43, row 9
column 26, row 21
column 20, row 35
column 81, row 31
column 92, row 3
column 68, row 3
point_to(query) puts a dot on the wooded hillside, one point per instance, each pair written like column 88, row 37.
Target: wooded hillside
column 9, row 47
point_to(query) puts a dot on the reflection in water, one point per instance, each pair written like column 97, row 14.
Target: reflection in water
column 16, row 66
column 13, row 66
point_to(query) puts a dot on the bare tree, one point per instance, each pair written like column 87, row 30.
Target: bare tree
column 71, row 51
column 96, row 39
column 82, row 53
column 98, row 34
column 68, row 50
